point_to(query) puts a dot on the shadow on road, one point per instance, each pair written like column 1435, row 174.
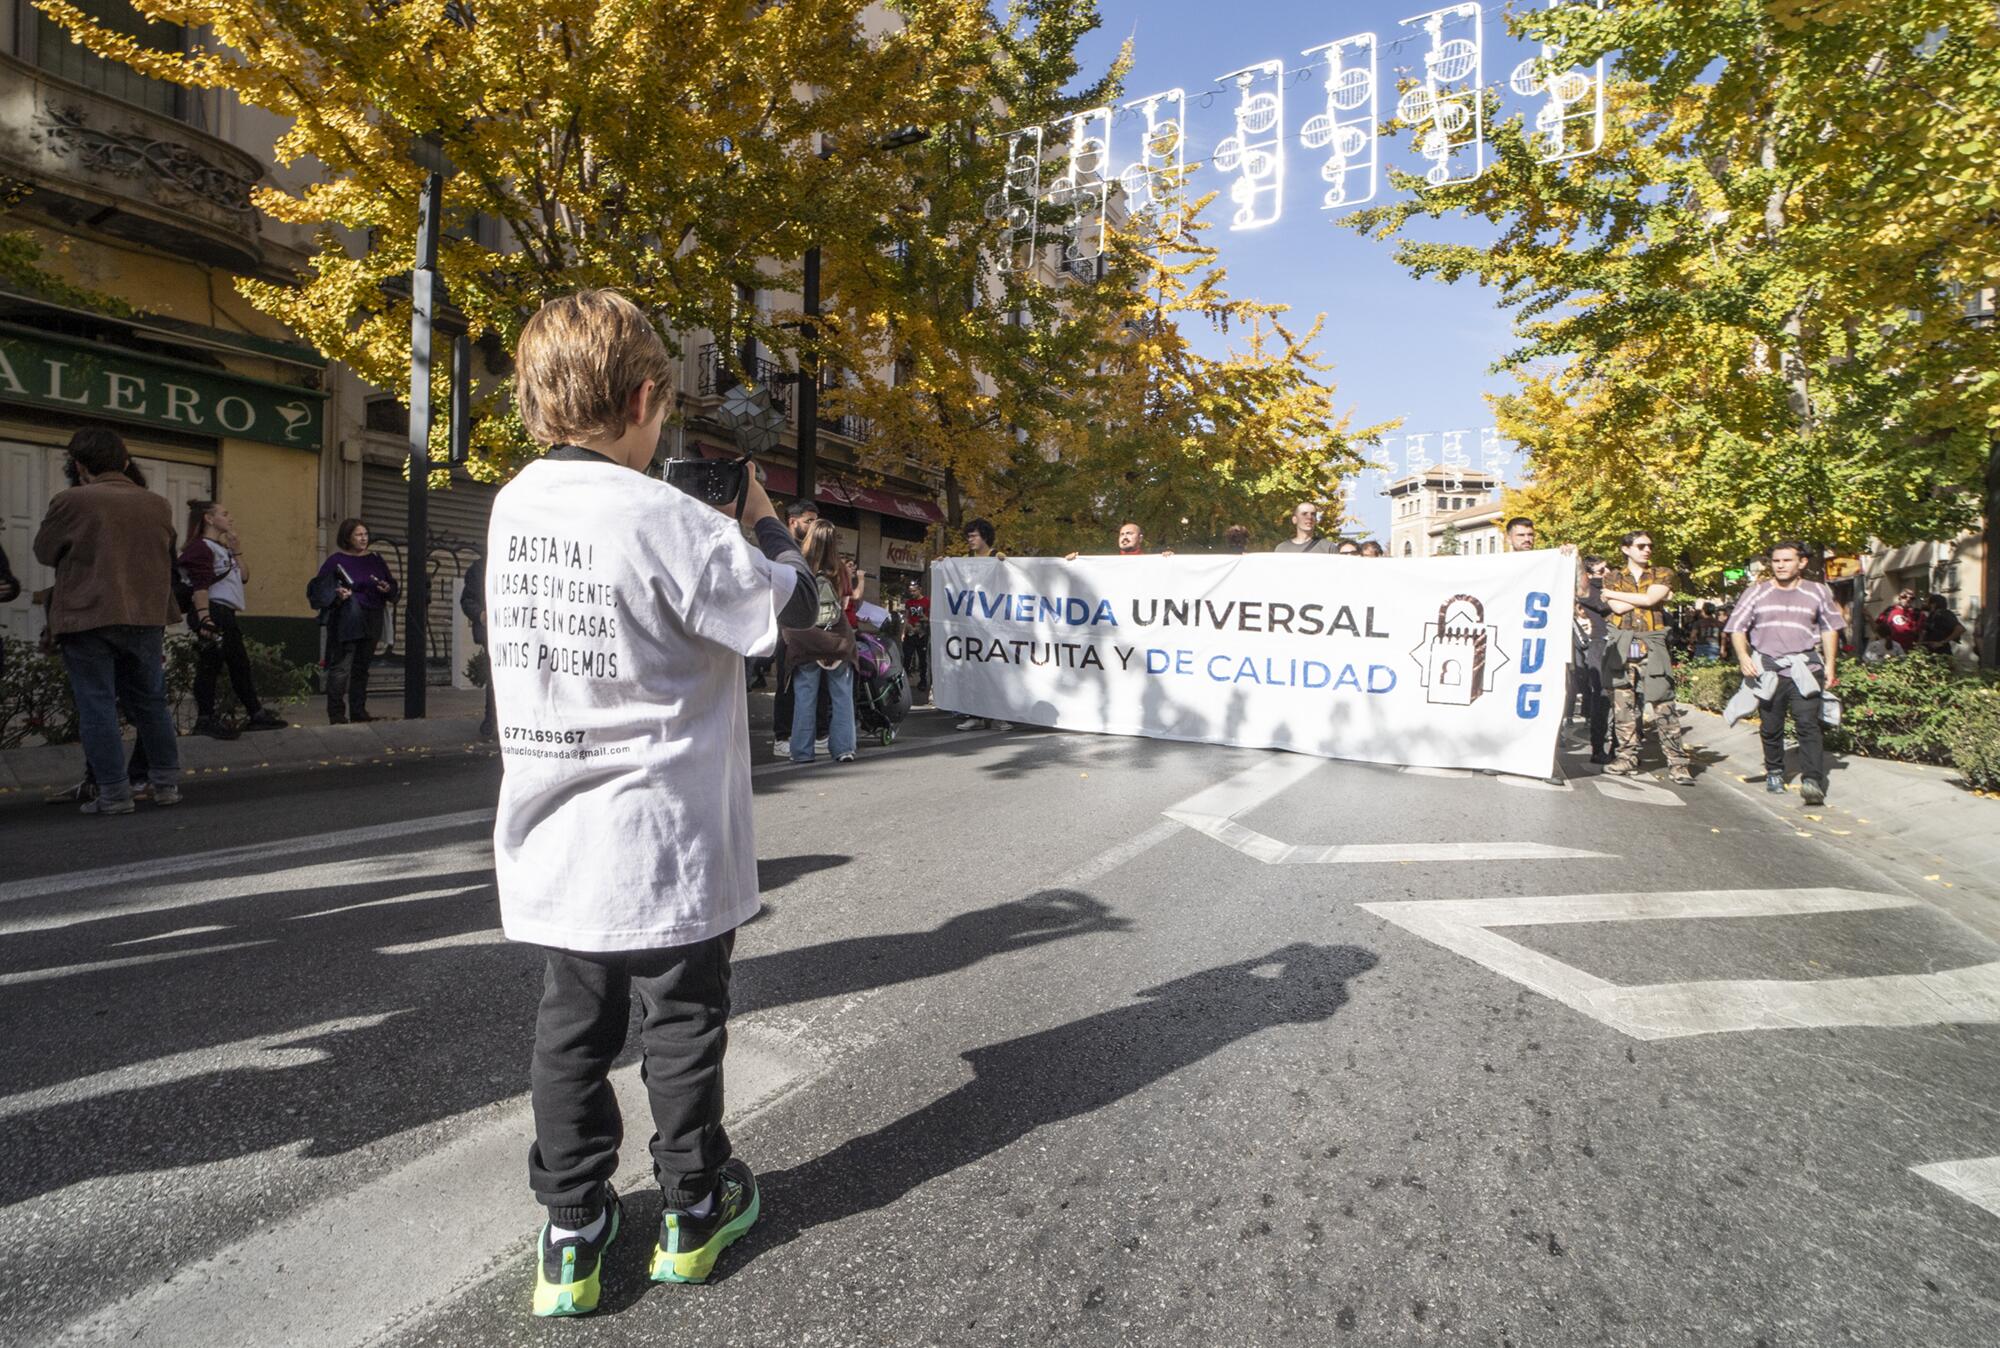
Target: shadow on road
column 1039, row 1079
column 338, row 1025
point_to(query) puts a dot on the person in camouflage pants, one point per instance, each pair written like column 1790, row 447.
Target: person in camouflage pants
column 1637, row 625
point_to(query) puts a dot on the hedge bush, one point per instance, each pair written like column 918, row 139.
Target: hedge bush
column 1914, row 708
column 1976, row 744
column 35, row 701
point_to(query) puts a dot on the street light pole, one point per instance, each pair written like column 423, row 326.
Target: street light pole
column 423, row 318
column 808, row 400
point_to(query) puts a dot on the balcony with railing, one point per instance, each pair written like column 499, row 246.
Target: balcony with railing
column 860, row 430
column 92, row 160
column 716, row 373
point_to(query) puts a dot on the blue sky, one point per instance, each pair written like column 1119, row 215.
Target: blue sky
column 1418, row 350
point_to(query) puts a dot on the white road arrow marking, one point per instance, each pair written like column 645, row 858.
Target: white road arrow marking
column 1669, row 1010
column 1976, row 1181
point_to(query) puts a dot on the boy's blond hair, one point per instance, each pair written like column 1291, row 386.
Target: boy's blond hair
column 579, row 360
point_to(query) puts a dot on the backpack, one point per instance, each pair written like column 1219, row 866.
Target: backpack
column 183, row 590
column 830, row 613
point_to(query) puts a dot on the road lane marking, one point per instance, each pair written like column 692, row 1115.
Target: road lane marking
column 1111, row 859
column 490, row 936
column 1968, row 995
column 265, row 1053
column 175, row 934
column 443, row 1222
column 10, row 980
column 1635, row 792
column 1250, row 787
column 422, row 896
column 73, row 882
column 1264, row 848
column 1977, row 1180
column 341, row 877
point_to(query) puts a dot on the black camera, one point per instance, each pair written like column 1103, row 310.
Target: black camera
column 722, row 483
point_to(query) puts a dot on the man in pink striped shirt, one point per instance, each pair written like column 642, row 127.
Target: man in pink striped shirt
column 1788, row 627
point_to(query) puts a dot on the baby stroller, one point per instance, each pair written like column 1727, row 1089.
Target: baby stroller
column 881, row 689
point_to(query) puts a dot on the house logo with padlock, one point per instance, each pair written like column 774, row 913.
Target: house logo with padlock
column 1460, row 654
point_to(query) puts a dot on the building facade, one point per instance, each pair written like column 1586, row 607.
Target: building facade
column 129, row 221
column 1441, row 511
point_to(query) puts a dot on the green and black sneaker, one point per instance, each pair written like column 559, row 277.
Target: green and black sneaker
column 689, row 1246
column 566, row 1271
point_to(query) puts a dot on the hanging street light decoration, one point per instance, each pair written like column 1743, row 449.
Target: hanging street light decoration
column 1018, row 202
column 1446, row 106
column 1084, row 188
column 1494, row 454
column 1443, row 101
column 1453, row 459
column 753, row 420
column 1347, row 129
column 1570, row 122
column 1256, row 152
column 1154, row 183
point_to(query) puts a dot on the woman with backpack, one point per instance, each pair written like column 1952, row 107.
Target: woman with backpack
column 350, row 591
column 824, row 649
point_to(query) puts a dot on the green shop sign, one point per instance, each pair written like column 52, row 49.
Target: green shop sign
column 174, row 395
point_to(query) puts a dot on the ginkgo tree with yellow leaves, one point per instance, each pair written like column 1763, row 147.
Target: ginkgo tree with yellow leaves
column 1744, row 316
column 1185, row 439
column 1095, row 398
column 670, row 151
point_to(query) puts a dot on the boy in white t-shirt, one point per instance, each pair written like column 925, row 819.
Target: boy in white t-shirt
column 619, row 612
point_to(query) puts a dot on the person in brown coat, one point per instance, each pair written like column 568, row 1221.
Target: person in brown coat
column 111, row 543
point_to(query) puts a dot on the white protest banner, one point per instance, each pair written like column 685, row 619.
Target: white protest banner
column 1440, row 662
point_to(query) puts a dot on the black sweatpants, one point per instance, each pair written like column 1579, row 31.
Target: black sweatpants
column 586, row 1003
column 1805, row 713
column 212, row 657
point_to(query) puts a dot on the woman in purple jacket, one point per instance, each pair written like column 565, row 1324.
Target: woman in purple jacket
column 350, row 592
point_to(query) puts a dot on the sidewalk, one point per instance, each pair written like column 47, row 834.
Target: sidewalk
column 1909, row 813
column 308, row 742
column 451, row 726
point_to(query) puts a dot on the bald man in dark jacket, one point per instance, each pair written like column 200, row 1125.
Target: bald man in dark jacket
column 111, row 543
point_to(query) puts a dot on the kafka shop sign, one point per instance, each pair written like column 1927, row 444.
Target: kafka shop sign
column 170, row 395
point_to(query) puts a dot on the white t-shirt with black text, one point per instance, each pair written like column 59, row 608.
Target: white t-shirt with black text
column 619, row 611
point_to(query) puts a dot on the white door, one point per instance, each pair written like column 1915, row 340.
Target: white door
column 29, row 476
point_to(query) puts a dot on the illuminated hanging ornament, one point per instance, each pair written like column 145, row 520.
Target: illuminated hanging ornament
column 1494, row 455
column 1416, row 454
column 1018, row 202
column 1454, row 461
column 1570, row 122
column 1256, row 152
column 1081, row 193
column 1155, row 182
column 1445, row 108
column 1346, row 128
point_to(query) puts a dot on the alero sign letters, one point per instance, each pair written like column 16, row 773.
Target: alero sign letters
column 96, row 380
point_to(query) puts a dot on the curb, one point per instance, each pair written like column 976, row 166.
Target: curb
column 296, row 747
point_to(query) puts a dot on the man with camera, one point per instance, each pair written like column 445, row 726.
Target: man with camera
column 620, row 610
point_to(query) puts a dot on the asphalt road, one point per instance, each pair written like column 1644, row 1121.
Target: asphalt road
column 1041, row 1038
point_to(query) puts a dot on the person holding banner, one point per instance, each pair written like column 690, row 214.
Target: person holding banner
column 1305, row 538
column 1637, row 667
column 979, row 540
column 1131, row 543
